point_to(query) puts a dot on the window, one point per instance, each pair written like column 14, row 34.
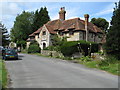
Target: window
column 92, row 35
column 44, row 32
column 38, row 35
column 71, row 32
column 60, row 33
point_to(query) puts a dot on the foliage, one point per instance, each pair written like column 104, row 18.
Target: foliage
column 112, row 45
column 22, row 28
column 110, row 64
column 40, row 18
column 4, row 36
column 3, row 73
column 85, row 59
column 56, row 43
column 34, row 48
column 101, row 23
column 68, row 48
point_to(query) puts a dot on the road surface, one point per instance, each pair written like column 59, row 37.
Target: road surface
column 32, row 71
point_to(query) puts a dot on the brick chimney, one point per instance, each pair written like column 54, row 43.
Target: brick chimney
column 86, row 25
column 62, row 13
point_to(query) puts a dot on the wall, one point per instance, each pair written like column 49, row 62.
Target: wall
column 51, row 53
column 74, row 37
column 43, row 38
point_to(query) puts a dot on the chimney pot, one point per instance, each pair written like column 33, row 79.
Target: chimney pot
column 62, row 13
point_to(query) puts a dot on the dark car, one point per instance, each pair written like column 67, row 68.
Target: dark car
column 10, row 54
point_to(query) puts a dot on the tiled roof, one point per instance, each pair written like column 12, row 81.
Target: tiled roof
column 75, row 23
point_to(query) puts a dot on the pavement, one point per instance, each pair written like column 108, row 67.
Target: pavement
column 32, row 71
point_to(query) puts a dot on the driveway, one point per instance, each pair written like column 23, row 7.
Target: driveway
column 32, row 71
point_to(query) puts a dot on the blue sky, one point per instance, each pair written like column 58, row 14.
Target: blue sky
column 9, row 10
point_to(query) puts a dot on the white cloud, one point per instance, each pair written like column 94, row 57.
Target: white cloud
column 10, row 9
column 107, row 10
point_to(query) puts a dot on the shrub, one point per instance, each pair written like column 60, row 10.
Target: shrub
column 68, row 48
column 86, row 59
column 34, row 48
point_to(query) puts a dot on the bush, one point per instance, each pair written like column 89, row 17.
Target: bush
column 34, row 48
column 85, row 59
column 69, row 48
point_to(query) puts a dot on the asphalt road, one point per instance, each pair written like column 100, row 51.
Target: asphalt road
column 33, row 71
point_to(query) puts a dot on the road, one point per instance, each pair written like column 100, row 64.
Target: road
column 32, row 71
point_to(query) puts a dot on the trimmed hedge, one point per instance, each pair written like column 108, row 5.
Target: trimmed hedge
column 34, row 48
column 69, row 48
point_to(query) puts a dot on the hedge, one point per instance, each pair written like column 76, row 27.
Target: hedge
column 34, row 48
column 69, row 48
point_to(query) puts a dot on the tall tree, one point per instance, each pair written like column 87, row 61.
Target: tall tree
column 4, row 36
column 40, row 18
column 113, row 36
column 22, row 28
column 101, row 23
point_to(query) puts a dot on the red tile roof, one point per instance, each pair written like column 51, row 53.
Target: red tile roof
column 75, row 23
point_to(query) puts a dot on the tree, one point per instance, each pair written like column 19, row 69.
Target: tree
column 40, row 18
column 22, row 28
column 113, row 36
column 5, row 36
column 101, row 23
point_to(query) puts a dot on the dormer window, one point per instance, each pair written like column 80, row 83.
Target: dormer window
column 44, row 32
column 71, row 32
column 60, row 33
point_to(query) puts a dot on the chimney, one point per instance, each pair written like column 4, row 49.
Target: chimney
column 62, row 13
column 86, row 25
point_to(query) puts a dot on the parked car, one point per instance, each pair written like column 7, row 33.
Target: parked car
column 10, row 54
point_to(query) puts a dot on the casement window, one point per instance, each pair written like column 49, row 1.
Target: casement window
column 44, row 32
column 71, row 32
column 60, row 33
column 92, row 35
column 38, row 35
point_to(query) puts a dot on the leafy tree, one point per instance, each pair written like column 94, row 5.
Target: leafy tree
column 22, row 28
column 4, row 37
column 113, row 36
column 40, row 18
column 101, row 23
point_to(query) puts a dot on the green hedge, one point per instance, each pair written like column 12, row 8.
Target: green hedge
column 69, row 48
column 34, row 48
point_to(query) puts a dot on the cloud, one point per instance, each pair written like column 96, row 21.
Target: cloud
column 107, row 10
column 10, row 9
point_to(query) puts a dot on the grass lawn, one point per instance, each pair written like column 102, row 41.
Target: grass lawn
column 3, row 74
column 106, row 66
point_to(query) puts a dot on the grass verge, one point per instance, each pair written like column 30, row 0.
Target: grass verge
column 110, row 64
column 3, row 74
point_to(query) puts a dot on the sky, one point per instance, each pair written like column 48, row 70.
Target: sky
column 9, row 9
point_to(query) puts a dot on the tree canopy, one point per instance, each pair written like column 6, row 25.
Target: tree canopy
column 40, row 18
column 101, row 23
column 26, row 23
column 4, row 36
column 113, row 36
column 22, row 28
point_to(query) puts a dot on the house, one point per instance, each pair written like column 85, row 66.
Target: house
column 74, row 29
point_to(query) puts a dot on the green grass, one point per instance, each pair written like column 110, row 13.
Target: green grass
column 110, row 65
column 3, row 74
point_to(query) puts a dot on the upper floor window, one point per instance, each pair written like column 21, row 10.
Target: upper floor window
column 71, row 32
column 44, row 32
column 60, row 33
